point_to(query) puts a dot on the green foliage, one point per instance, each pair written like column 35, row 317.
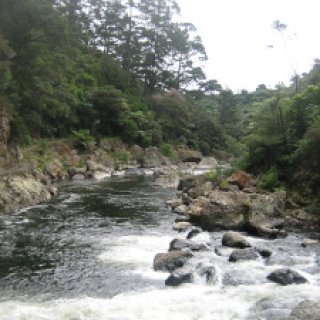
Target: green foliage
column 212, row 176
column 43, row 146
column 82, row 140
column 122, row 156
column 223, row 184
column 234, row 147
column 269, row 180
column 167, row 150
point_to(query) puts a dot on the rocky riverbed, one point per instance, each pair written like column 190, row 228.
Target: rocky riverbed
column 260, row 251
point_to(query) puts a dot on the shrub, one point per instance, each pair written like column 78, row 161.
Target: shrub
column 166, row 150
column 269, row 180
column 223, row 184
column 212, row 176
column 43, row 146
column 82, row 140
column 122, row 156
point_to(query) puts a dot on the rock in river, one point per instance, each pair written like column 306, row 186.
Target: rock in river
column 171, row 260
column 194, row 232
column 178, row 277
column 182, row 226
column 243, row 254
column 180, row 244
column 286, row 276
column 235, row 240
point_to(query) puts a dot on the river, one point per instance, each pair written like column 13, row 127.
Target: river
column 88, row 255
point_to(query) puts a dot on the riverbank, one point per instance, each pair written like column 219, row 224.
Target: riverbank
column 34, row 177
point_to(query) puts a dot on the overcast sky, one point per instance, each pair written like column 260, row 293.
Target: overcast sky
column 243, row 48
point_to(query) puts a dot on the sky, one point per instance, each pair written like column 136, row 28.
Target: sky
column 243, row 48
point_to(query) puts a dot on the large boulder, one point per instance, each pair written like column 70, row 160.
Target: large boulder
column 267, row 207
column 217, row 209
column 235, row 240
column 286, row 276
column 306, row 310
column 220, row 210
column 171, row 260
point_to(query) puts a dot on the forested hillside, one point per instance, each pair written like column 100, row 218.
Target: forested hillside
column 96, row 65
column 129, row 69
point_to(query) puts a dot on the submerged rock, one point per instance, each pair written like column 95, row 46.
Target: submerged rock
column 208, row 272
column 178, row 277
column 306, row 310
column 286, row 276
column 222, row 251
column 194, row 232
column 187, row 274
column 171, row 260
column 235, row 240
column 264, row 252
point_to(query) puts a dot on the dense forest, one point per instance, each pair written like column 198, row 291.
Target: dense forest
column 128, row 68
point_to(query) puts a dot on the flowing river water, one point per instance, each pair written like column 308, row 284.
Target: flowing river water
column 88, row 255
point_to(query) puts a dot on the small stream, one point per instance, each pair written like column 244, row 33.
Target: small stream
column 88, row 255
